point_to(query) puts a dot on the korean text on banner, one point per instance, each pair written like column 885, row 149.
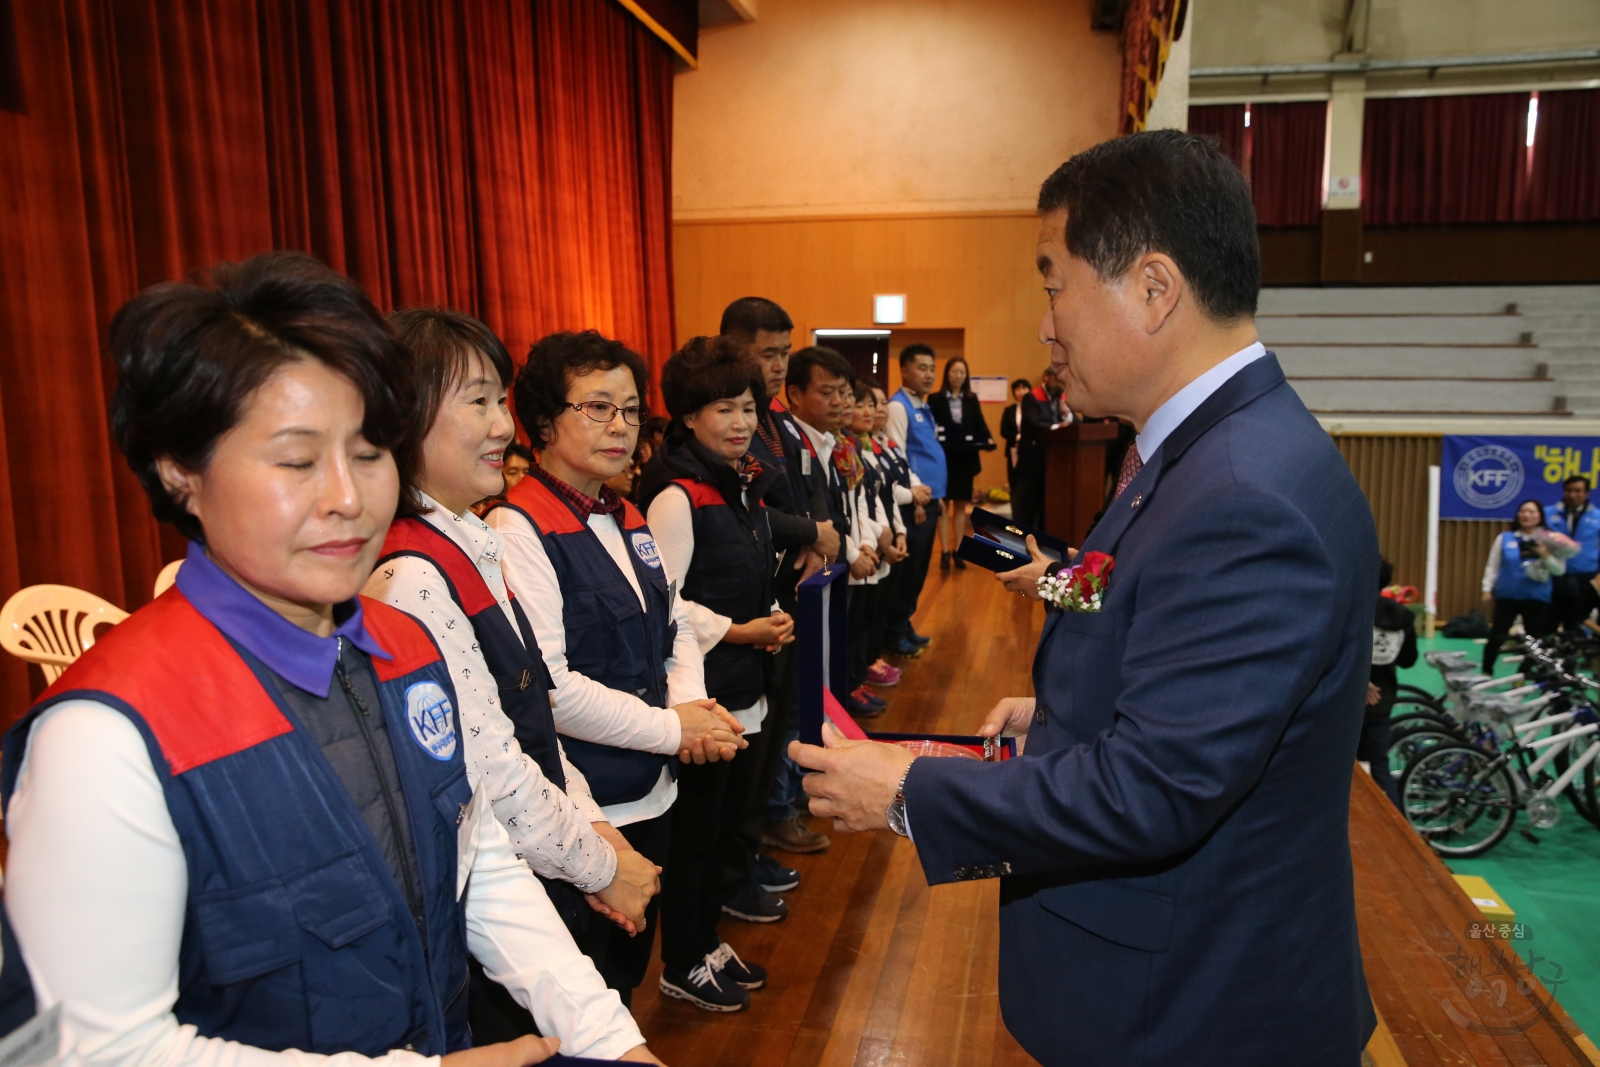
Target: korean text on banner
column 1486, row 477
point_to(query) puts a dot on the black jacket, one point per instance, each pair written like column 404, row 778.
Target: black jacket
column 1036, row 415
column 732, row 570
column 962, row 441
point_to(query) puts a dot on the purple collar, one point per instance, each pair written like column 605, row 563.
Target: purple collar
column 298, row 656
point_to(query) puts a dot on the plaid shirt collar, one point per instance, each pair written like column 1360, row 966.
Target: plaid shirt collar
column 609, row 502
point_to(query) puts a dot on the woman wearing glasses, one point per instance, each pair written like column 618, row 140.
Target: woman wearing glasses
column 628, row 684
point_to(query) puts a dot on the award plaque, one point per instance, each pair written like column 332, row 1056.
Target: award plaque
column 998, row 544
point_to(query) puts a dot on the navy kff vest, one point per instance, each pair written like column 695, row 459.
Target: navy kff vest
column 512, row 656
column 610, row 638
column 296, row 935
column 731, row 574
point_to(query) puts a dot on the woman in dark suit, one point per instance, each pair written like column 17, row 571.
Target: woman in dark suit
column 963, row 433
column 1011, row 427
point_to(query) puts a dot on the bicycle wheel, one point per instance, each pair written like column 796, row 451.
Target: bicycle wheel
column 1582, row 799
column 1460, row 799
column 1586, row 785
column 1415, row 694
column 1407, row 746
column 1416, row 717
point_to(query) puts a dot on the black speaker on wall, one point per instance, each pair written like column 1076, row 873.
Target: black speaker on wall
column 1107, row 14
column 10, row 73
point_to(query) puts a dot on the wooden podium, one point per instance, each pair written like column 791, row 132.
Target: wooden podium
column 1075, row 477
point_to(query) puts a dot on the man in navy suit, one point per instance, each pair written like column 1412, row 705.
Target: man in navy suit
column 1173, row 846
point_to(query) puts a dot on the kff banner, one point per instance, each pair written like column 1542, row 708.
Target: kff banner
column 1486, row 477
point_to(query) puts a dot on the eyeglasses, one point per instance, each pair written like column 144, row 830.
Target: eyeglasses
column 601, row 411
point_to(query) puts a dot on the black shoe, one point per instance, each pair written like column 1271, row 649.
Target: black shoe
column 705, row 987
column 773, row 876
column 944, row 561
column 918, row 640
column 725, row 961
column 960, row 564
column 858, row 708
column 754, row 904
column 906, row 648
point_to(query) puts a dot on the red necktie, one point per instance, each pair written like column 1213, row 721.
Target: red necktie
column 1131, row 466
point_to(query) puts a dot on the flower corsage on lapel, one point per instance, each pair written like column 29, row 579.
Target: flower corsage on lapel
column 1080, row 587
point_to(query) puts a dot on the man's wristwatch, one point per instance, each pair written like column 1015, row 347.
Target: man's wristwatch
column 895, row 813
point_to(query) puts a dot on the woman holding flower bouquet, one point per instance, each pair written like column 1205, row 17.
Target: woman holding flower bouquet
column 1522, row 561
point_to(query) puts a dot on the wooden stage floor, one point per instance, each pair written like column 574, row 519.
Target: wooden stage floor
column 873, row 968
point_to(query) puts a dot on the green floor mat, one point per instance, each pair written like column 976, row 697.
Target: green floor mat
column 1553, row 886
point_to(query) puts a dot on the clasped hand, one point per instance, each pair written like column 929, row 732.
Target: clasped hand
column 768, row 634
column 709, row 733
column 636, row 880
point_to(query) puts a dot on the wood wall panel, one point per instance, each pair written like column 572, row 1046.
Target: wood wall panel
column 971, row 272
column 1498, row 254
column 1393, row 472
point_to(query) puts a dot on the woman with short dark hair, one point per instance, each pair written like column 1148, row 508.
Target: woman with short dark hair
column 1011, row 427
column 442, row 565
column 963, row 434
column 702, row 491
column 241, row 821
column 627, row 687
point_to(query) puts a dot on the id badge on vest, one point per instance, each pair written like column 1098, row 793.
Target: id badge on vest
column 805, row 463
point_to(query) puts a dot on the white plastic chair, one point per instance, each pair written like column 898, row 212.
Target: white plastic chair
column 168, row 576
column 52, row 625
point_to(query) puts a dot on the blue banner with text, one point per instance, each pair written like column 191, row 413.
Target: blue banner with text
column 1486, row 477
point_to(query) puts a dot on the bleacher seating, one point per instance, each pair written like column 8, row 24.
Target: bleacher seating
column 1486, row 351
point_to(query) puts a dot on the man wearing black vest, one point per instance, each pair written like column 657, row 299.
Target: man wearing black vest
column 804, row 538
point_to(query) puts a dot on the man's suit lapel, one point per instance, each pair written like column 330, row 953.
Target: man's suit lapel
column 1259, row 377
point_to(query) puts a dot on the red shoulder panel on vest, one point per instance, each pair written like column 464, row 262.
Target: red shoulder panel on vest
column 198, row 696
column 416, row 536
column 631, row 519
column 701, row 494
column 401, row 636
column 547, row 510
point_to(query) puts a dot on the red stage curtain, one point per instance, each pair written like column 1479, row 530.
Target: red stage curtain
column 1444, row 159
column 1225, row 122
column 1287, row 144
column 1280, row 153
column 505, row 157
column 1564, row 183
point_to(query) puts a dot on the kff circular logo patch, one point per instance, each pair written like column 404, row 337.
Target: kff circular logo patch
column 432, row 723
column 645, row 547
column 1488, row 476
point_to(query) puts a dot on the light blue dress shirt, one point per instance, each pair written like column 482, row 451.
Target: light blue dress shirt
column 1180, row 405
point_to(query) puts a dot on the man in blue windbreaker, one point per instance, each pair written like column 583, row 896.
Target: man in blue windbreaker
column 911, row 424
column 1573, row 595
